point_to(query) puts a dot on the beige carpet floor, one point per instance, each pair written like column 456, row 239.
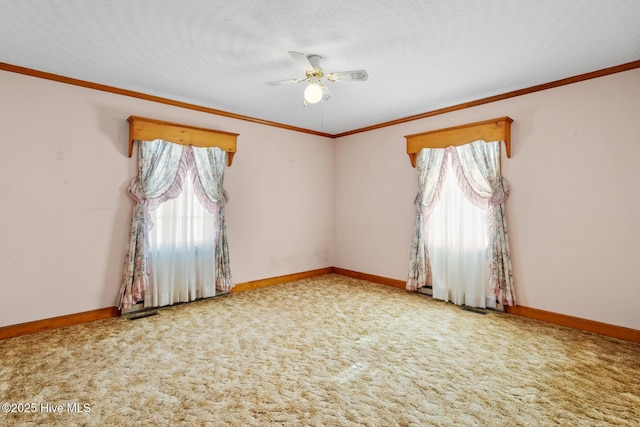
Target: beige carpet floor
column 326, row 351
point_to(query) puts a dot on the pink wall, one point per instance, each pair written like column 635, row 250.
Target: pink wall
column 65, row 215
column 301, row 202
column 574, row 213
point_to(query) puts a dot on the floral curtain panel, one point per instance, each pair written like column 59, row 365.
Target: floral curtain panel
column 477, row 166
column 431, row 171
column 480, row 178
column 210, row 163
column 162, row 167
column 158, row 179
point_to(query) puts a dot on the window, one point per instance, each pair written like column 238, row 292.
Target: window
column 475, row 148
column 160, row 161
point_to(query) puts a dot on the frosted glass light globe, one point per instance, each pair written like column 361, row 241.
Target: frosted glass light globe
column 313, row 93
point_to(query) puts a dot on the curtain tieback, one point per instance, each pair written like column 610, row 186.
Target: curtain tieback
column 137, row 198
column 420, row 206
column 500, row 191
column 134, row 191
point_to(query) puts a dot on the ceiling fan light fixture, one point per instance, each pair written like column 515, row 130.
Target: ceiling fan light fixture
column 313, row 93
column 316, row 90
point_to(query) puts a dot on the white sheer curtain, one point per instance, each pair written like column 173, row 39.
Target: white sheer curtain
column 182, row 250
column 458, row 247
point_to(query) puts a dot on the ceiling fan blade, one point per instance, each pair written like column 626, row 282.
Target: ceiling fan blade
column 354, row 76
column 284, row 82
column 302, row 60
column 326, row 94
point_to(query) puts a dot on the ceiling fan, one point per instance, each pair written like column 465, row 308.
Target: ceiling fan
column 316, row 90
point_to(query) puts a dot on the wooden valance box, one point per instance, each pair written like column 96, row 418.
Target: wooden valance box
column 489, row 130
column 144, row 129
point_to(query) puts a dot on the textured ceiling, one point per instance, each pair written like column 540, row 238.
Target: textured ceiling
column 421, row 55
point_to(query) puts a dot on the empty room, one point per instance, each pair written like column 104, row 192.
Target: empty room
column 410, row 213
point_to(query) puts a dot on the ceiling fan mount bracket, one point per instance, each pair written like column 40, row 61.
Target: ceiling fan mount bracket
column 314, row 60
